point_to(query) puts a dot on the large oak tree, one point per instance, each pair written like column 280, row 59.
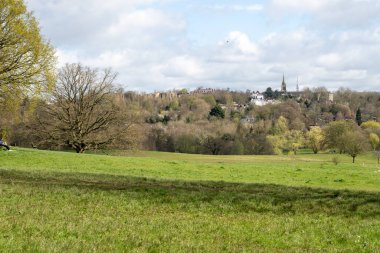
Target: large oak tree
column 82, row 112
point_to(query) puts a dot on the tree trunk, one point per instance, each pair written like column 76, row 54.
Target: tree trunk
column 80, row 148
column 353, row 158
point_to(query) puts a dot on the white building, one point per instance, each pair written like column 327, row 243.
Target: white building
column 331, row 97
column 257, row 98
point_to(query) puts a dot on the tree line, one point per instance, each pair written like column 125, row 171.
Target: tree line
column 80, row 108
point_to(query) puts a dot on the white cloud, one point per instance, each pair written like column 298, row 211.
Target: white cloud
column 329, row 60
column 147, row 19
column 333, row 12
column 252, row 7
column 311, row 5
column 151, row 49
column 241, row 63
column 66, row 57
column 183, row 66
column 237, row 7
column 242, row 42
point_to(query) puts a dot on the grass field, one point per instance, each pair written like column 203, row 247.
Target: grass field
column 162, row 202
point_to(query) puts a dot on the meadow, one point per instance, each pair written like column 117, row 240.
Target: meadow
column 134, row 201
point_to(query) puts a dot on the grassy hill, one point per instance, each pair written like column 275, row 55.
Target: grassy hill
column 163, row 202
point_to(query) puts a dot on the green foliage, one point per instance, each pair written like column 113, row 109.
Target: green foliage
column 358, row 117
column 270, row 94
column 277, row 142
column 173, row 105
column 335, row 160
column 354, row 143
column 170, row 112
column 283, row 139
column 294, row 139
column 346, row 137
column 374, row 141
column 237, row 148
column 183, row 91
column 235, row 115
column 334, row 134
column 280, row 127
column 371, row 125
column 4, row 134
column 209, row 100
column 187, row 143
column 217, row 112
column 27, row 60
column 315, row 139
column 289, row 141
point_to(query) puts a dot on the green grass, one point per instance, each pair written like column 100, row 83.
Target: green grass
column 301, row 170
column 162, row 202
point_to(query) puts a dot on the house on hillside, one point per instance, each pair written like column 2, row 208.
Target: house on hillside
column 203, row 91
column 257, row 98
column 165, row 95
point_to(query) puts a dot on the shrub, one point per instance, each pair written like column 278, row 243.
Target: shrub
column 335, row 160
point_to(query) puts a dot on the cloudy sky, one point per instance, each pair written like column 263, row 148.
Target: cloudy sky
column 241, row 44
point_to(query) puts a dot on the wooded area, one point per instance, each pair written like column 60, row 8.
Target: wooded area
column 80, row 108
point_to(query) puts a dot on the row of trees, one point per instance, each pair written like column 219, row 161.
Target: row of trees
column 226, row 138
column 309, row 108
column 338, row 136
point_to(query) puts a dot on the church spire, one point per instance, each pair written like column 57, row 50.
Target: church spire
column 298, row 87
column 283, row 85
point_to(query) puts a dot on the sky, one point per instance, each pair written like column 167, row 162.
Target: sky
column 158, row 45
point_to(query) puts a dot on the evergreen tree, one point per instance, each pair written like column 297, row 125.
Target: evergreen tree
column 358, row 117
column 268, row 93
column 217, row 111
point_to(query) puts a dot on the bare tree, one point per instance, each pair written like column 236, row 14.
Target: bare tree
column 81, row 111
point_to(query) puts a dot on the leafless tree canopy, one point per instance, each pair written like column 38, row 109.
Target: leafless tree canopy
column 81, row 109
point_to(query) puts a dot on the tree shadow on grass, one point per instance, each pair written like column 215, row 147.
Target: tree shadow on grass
column 216, row 196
